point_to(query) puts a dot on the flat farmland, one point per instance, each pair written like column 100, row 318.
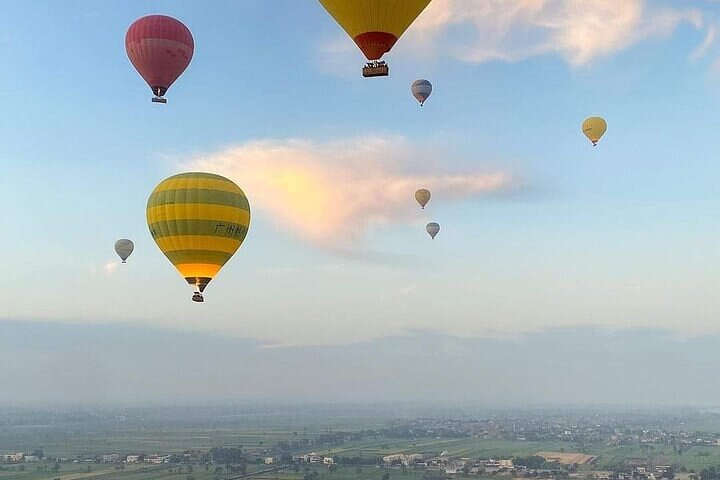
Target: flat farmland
column 462, row 447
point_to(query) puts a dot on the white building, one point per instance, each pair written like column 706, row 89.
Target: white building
column 112, row 458
column 454, row 467
column 269, row 461
column 132, row 458
column 328, row 461
column 402, row 459
column 157, row 459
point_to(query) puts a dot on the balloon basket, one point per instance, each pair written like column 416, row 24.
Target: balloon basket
column 159, row 100
column 197, row 297
column 376, row 69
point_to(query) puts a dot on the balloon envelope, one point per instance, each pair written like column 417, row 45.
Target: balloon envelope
column 375, row 25
column 199, row 220
column 421, row 90
column 124, row 248
column 423, row 197
column 432, row 229
column 160, row 48
column 594, row 128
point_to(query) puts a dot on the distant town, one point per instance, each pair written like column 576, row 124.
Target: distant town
column 588, row 445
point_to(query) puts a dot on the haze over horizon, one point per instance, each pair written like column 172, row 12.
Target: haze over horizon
column 130, row 365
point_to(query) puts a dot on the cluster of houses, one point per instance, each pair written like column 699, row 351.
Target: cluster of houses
column 21, row 458
column 111, row 458
column 447, row 464
column 313, row 458
column 152, row 459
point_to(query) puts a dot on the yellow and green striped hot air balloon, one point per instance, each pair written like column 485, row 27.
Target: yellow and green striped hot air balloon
column 198, row 220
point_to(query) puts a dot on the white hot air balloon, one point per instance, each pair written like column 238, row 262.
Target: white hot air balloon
column 124, row 248
column 421, row 90
column 432, row 229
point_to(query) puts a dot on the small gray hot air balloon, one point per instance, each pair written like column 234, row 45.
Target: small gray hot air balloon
column 421, row 89
column 124, row 248
column 432, row 229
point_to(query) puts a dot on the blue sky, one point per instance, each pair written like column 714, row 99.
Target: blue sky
column 539, row 230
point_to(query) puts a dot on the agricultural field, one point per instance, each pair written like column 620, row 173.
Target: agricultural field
column 456, row 447
column 86, row 435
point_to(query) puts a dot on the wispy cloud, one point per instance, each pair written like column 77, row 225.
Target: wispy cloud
column 706, row 45
column 332, row 193
column 110, row 267
column 512, row 30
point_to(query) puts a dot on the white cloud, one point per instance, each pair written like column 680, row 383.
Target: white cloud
column 110, row 267
column 513, row 30
column 331, row 193
column 706, row 45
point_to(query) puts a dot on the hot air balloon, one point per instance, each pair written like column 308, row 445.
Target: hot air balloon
column 594, row 128
column 421, row 90
column 198, row 220
column 160, row 48
column 124, row 248
column 432, row 229
column 423, row 197
column 375, row 25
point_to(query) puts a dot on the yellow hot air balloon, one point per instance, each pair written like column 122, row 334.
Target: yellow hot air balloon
column 594, row 128
column 375, row 25
column 423, row 197
column 198, row 220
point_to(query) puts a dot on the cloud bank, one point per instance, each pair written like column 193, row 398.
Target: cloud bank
column 332, row 193
column 584, row 365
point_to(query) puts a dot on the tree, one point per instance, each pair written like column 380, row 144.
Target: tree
column 386, row 476
column 358, row 471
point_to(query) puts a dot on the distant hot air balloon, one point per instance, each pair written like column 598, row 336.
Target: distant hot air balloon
column 124, row 248
column 433, row 229
column 375, row 25
column 423, row 197
column 160, row 48
column 421, row 90
column 198, row 220
column 594, row 128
